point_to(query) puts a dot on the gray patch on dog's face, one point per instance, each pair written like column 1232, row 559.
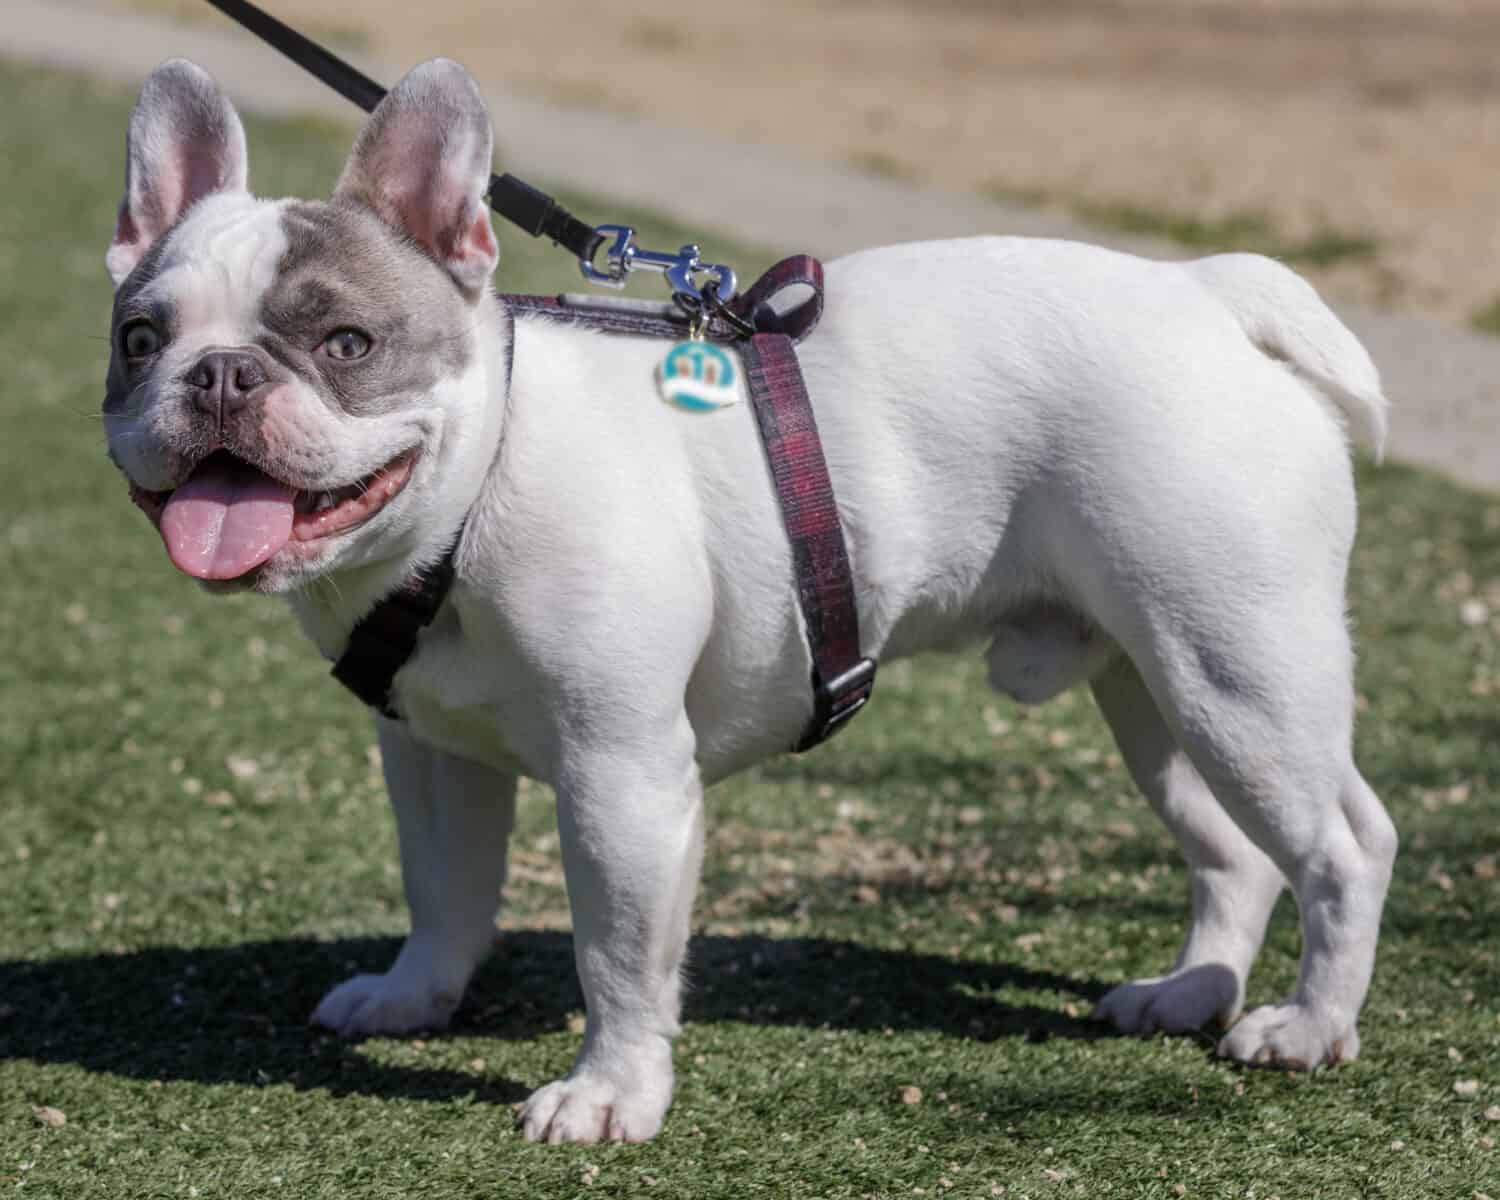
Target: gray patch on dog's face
column 343, row 269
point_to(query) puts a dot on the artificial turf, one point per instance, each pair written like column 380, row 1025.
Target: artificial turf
column 900, row 935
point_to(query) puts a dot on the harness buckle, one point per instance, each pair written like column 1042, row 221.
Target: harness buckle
column 623, row 256
column 837, row 701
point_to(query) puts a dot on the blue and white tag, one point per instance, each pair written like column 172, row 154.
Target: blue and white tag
column 697, row 377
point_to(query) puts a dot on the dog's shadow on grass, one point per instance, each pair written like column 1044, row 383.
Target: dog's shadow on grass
column 237, row 1014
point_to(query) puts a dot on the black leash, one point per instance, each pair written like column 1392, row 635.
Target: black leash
column 514, row 199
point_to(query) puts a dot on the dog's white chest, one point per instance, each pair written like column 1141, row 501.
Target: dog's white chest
column 472, row 733
column 461, row 696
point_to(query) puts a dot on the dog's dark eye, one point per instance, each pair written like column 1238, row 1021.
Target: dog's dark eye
column 346, row 345
column 139, row 339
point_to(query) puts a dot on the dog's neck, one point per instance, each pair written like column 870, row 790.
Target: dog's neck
column 329, row 607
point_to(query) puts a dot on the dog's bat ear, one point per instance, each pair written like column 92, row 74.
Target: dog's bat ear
column 422, row 164
column 185, row 142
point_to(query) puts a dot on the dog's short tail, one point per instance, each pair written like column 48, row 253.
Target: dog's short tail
column 1285, row 319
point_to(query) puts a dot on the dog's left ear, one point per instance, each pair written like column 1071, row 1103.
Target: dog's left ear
column 422, row 164
column 185, row 142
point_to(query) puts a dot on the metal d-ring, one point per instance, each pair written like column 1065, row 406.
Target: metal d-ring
column 712, row 304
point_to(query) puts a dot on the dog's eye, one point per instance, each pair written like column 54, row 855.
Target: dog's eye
column 139, row 339
column 346, row 345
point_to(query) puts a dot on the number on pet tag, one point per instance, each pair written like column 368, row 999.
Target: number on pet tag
column 697, row 377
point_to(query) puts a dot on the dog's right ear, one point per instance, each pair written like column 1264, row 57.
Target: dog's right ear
column 185, row 142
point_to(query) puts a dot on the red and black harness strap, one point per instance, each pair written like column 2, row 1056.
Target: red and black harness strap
column 842, row 678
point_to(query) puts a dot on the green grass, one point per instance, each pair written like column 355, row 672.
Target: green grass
column 1487, row 319
column 1243, row 230
column 194, row 844
column 881, row 163
column 1238, row 231
column 667, row 38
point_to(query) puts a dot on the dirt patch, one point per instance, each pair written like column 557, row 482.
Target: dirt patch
column 1371, row 123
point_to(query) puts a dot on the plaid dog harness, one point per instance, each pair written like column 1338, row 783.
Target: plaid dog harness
column 842, row 678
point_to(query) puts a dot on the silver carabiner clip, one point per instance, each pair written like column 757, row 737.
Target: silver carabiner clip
column 624, row 256
column 617, row 257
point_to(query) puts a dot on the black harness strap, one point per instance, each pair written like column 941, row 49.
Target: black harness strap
column 387, row 635
column 514, row 199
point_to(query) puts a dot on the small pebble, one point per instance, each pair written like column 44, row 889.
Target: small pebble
column 1473, row 613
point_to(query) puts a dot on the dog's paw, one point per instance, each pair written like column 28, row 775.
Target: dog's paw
column 587, row 1108
column 1177, row 1003
column 1290, row 1037
column 389, row 1003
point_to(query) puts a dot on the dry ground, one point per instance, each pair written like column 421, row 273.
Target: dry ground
column 1311, row 122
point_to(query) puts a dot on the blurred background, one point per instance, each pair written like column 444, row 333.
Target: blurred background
column 1358, row 139
column 1351, row 139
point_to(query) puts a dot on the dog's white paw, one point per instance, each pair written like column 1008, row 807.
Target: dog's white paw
column 1175, row 1003
column 588, row 1108
column 1288, row 1036
column 395, row 1002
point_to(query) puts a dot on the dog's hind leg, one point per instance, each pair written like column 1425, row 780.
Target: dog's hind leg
column 1340, row 873
column 454, row 820
column 1261, row 700
column 1234, row 885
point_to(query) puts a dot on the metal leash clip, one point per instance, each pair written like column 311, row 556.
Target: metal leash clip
column 624, row 256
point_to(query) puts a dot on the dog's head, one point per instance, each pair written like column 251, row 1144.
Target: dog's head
column 298, row 387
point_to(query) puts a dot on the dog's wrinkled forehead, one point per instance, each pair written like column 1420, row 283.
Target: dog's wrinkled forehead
column 285, row 274
column 210, row 273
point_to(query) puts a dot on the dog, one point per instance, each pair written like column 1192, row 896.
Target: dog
column 1118, row 472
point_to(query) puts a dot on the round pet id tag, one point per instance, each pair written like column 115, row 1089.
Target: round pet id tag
column 697, row 376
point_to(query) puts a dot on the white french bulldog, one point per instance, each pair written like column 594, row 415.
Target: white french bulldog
column 1124, row 473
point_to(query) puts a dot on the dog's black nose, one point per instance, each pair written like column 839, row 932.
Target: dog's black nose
column 222, row 381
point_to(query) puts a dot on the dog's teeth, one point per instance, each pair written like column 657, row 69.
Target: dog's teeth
column 325, row 500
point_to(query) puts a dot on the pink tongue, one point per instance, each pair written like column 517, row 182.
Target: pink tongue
column 227, row 519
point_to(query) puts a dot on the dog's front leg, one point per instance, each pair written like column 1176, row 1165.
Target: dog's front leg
column 632, row 845
column 454, row 819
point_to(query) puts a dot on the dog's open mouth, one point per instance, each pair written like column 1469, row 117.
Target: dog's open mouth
column 228, row 517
